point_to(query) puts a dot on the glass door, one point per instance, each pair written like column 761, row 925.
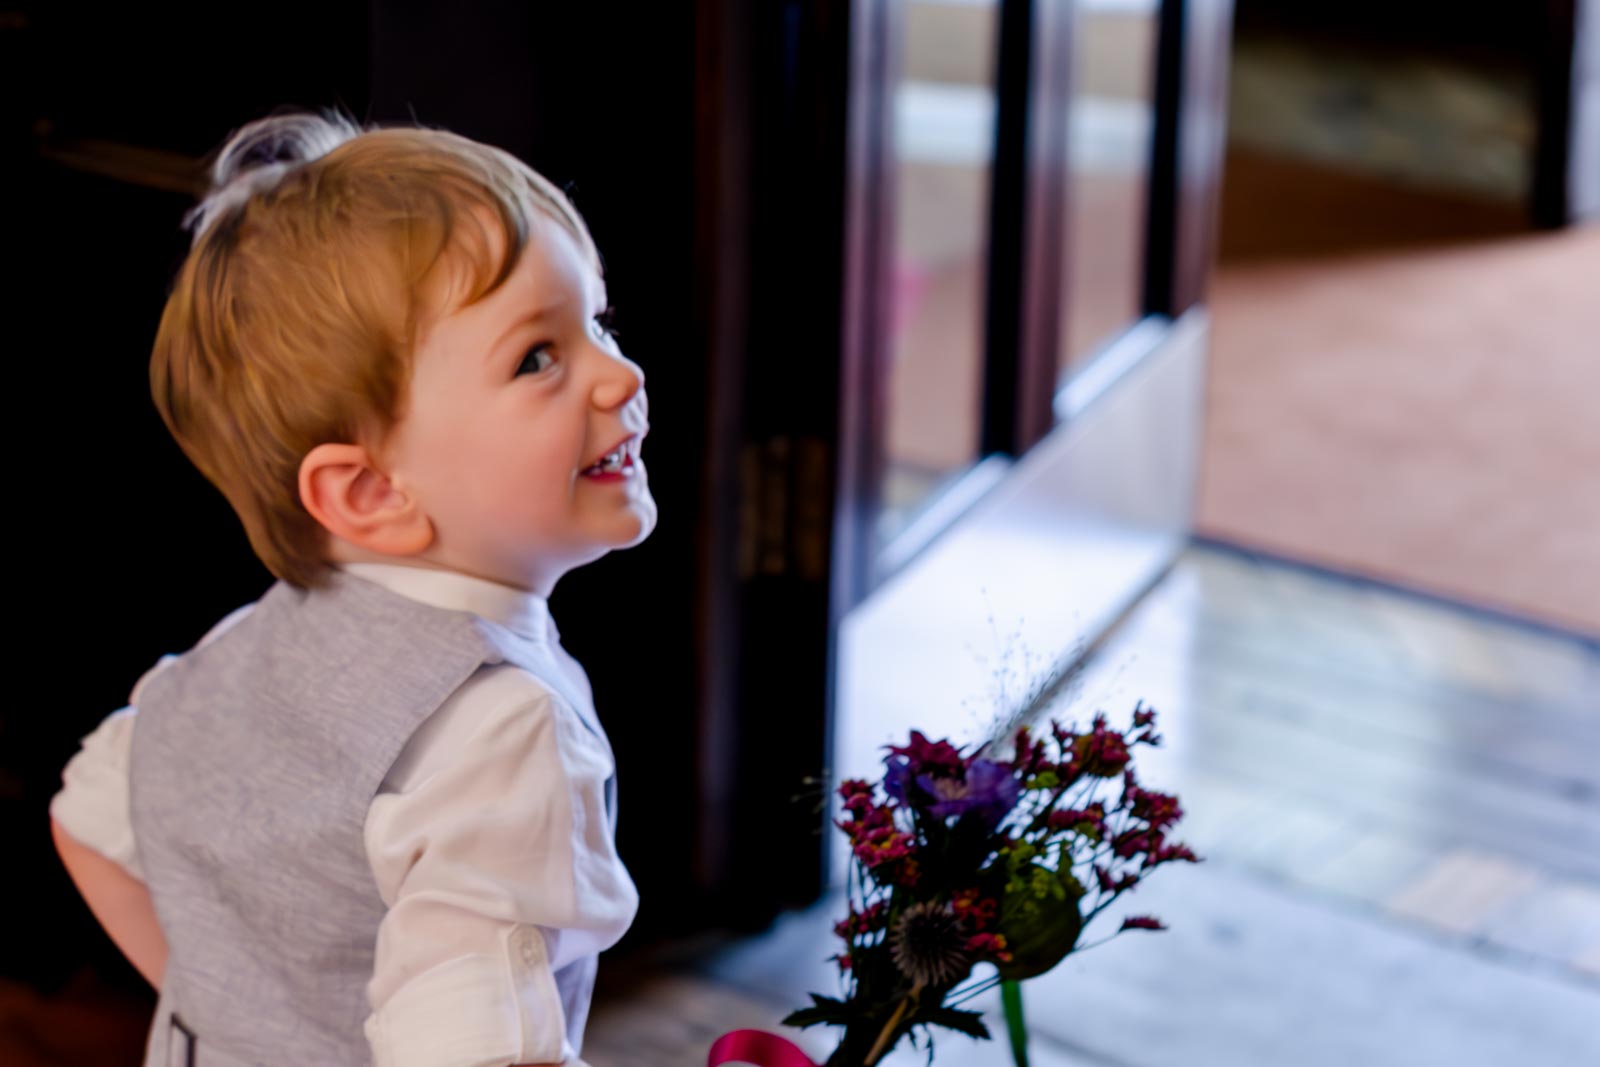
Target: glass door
column 1110, row 119
column 1030, row 211
column 940, row 157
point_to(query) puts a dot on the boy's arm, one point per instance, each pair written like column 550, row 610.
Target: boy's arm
column 122, row 905
column 119, row 901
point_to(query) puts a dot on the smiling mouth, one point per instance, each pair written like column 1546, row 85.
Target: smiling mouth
column 619, row 462
column 621, row 457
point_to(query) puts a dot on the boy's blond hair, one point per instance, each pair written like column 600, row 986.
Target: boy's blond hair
column 293, row 320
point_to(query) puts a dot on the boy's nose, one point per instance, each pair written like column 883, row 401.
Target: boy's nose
column 623, row 383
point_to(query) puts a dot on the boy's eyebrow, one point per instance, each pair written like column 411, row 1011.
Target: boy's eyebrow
column 523, row 320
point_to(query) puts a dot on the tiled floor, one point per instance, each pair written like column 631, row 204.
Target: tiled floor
column 1397, row 804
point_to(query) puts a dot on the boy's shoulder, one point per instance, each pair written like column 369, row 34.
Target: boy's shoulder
column 228, row 622
column 325, row 629
column 504, row 682
column 515, row 689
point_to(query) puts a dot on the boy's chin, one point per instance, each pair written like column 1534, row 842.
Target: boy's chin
column 623, row 542
column 638, row 539
column 647, row 524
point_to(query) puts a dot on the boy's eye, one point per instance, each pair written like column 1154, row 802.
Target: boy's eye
column 540, row 349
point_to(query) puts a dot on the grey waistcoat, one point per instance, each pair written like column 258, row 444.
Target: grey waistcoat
column 253, row 764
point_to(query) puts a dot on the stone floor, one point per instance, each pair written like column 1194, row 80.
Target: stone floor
column 1396, row 802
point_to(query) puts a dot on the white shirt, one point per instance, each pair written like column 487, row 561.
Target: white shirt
column 489, row 839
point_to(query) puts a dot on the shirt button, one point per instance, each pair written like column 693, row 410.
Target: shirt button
column 529, row 953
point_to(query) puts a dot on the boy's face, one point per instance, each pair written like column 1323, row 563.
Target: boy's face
column 510, row 399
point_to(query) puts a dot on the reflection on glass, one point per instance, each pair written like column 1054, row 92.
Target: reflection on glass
column 1111, row 119
column 944, row 114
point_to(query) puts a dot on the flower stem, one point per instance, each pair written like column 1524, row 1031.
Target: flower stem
column 1011, row 998
column 964, row 995
column 880, row 1046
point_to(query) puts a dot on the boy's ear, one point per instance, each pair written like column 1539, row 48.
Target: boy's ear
column 344, row 491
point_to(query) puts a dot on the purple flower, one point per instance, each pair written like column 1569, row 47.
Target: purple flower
column 897, row 777
column 917, row 758
column 990, row 789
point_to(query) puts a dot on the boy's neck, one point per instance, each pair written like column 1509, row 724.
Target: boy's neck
column 340, row 551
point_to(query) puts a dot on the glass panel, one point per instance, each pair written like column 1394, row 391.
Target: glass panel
column 1112, row 122
column 943, row 148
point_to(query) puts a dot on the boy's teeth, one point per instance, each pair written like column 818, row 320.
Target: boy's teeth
column 612, row 462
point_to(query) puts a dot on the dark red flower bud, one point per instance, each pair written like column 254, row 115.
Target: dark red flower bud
column 1175, row 852
column 1129, row 843
column 926, row 756
column 859, row 804
column 1158, row 809
column 1103, row 753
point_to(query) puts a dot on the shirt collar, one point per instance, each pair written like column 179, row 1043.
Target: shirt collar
column 524, row 613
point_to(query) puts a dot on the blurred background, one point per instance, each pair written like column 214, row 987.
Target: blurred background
column 1008, row 359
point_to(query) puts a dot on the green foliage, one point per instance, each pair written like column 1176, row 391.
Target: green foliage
column 999, row 863
column 825, row 1010
column 1040, row 921
column 968, row 1022
column 1043, row 780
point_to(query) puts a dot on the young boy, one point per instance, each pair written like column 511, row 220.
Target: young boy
column 370, row 817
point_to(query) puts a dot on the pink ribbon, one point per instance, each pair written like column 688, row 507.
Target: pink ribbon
column 757, row 1047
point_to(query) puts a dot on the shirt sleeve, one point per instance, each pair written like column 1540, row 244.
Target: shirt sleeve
column 495, row 859
column 92, row 804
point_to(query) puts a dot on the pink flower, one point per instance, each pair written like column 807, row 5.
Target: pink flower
column 861, row 922
column 853, row 787
column 978, row 911
column 992, row 946
column 859, row 804
column 1158, row 809
column 1103, row 753
column 1129, row 843
column 1029, row 755
column 1175, row 852
column 1065, row 818
column 929, row 755
column 884, row 845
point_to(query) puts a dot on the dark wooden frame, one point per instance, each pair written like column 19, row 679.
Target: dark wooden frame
column 1186, row 175
column 864, row 298
column 870, row 242
column 1027, row 263
column 721, row 263
column 770, row 154
column 1560, row 136
column 794, row 119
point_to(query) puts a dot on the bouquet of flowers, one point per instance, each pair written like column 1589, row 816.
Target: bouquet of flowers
column 967, row 859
